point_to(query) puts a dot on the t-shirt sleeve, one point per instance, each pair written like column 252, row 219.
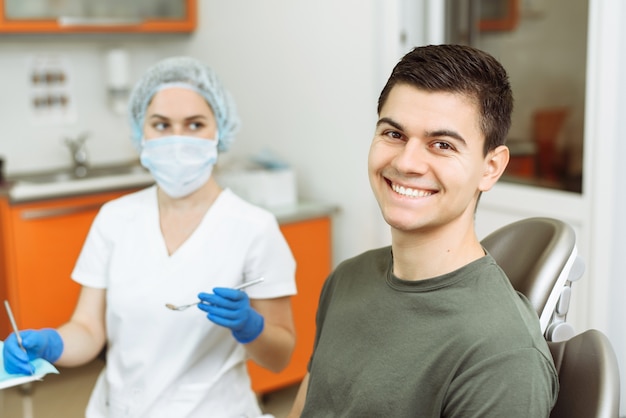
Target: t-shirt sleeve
column 269, row 256
column 320, row 315
column 516, row 384
column 91, row 266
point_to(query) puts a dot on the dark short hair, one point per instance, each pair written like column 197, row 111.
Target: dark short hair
column 460, row 69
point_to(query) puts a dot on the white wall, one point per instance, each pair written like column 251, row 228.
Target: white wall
column 605, row 139
column 617, row 310
column 306, row 79
column 26, row 143
column 617, row 307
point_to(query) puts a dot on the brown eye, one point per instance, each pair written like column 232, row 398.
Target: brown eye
column 394, row 134
column 195, row 126
column 160, row 126
column 442, row 145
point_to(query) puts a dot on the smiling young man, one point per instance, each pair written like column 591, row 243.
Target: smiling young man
column 431, row 327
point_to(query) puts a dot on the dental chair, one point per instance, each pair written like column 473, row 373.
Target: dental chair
column 539, row 257
column 588, row 377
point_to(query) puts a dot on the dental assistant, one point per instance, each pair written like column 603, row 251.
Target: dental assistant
column 182, row 239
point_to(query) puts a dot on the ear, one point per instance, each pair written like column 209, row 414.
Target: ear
column 495, row 163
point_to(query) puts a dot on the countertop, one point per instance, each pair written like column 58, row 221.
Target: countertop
column 61, row 183
column 303, row 211
column 21, row 189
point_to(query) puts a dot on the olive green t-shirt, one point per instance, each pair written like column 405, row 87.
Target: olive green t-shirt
column 464, row 344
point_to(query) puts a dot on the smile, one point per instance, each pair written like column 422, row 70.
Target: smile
column 406, row 191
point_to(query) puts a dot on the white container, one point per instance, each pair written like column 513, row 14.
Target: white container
column 267, row 188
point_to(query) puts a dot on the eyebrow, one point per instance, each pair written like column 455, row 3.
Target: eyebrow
column 391, row 122
column 428, row 134
column 446, row 132
column 156, row 115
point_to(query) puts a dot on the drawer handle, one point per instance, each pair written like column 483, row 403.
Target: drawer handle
column 29, row 214
column 97, row 21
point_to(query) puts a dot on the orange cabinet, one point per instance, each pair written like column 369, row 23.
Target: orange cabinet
column 310, row 243
column 39, row 245
column 40, row 242
column 50, row 16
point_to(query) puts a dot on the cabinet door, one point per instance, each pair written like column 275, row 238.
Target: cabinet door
column 310, row 243
column 53, row 16
column 41, row 244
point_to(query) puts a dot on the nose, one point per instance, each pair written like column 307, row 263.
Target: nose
column 178, row 129
column 413, row 158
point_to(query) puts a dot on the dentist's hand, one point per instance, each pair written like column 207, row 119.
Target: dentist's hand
column 231, row 308
column 45, row 343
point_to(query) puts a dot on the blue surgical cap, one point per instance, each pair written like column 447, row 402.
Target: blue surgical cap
column 202, row 79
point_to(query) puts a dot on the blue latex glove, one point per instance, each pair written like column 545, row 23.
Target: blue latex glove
column 45, row 343
column 231, row 308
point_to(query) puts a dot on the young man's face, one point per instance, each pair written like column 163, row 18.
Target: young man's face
column 426, row 163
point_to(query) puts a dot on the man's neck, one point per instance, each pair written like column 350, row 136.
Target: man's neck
column 419, row 255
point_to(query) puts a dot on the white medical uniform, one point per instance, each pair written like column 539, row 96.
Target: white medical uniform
column 164, row 363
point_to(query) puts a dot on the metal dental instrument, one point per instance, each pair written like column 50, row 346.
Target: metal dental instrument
column 14, row 325
column 239, row 287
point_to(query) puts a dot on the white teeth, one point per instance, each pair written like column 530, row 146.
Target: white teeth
column 405, row 191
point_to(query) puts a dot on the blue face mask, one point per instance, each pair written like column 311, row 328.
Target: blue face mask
column 179, row 164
